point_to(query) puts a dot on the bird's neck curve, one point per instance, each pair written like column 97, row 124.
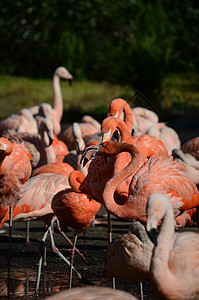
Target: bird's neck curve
column 58, row 101
column 136, row 162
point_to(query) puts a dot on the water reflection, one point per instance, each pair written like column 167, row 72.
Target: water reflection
column 23, row 283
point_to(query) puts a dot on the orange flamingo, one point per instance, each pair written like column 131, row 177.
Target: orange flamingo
column 74, row 209
column 60, row 148
column 174, row 272
column 158, row 174
column 92, row 293
column 15, row 169
column 55, row 168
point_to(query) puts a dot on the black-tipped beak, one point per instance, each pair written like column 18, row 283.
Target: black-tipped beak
column 89, row 153
column 153, row 236
column 50, row 140
column 70, row 82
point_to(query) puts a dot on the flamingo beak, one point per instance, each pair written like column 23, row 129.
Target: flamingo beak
column 153, row 236
column 89, row 153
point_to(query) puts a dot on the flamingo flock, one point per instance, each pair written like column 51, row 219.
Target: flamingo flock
column 142, row 175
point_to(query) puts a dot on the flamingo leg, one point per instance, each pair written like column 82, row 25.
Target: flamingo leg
column 72, row 260
column 69, row 241
column 56, row 250
column 110, row 240
column 141, row 290
column 9, row 248
column 27, row 232
column 43, row 241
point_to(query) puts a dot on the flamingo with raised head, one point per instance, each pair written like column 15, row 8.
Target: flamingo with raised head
column 157, row 174
column 174, row 272
column 57, row 110
column 74, row 209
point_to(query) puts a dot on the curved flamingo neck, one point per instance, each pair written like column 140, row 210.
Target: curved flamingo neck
column 113, row 123
column 136, row 162
column 58, row 101
column 118, row 106
column 159, row 263
column 75, row 180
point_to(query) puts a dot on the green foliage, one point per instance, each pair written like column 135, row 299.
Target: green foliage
column 133, row 42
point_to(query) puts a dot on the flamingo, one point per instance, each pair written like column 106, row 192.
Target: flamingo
column 74, row 209
column 15, row 169
column 88, row 126
column 39, row 145
column 35, row 204
column 22, row 121
column 57, row 111
column 60, row 148
column 174, row 272
column 190, row 163
column 191, row 147
column 167, row 135
column 156, row 174
column 92, row 293
column 128, row 256
column 55, row 168
column 143, row 119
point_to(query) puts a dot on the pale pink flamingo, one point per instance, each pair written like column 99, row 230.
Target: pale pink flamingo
column 88, row 126
column 174, row 271
column 35, row 204
column 57, row 111
column 128, row 256
column 92, row 293
column 39, row 145
column 74, row 209
column 143, row 119
column 190, row 163
column 22, row 121
column 158, row 174
column 167, row 135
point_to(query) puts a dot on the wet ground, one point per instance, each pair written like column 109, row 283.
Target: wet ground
column 55, row 276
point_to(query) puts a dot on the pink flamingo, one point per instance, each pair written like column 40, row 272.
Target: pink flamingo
column 39, row 145
column 15, row 169
column 88, row 126
column 190, row 163
column 60, row 148
column 174, row 272
column 92, row 293
column 158, row 174
column 57, row 110
column 74, row 209
column 22, row 121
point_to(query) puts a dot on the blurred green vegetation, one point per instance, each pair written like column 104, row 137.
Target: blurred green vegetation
column 127, row 42
column 180, row 91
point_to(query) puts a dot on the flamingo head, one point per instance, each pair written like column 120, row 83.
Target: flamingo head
column 6, row 147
